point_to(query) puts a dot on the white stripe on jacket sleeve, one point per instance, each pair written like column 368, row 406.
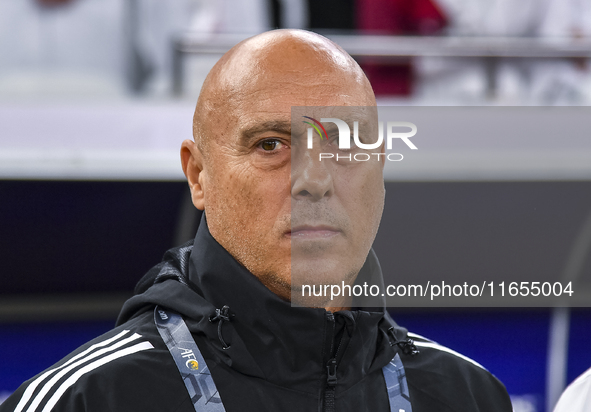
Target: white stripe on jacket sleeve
column 33, row 385
column 74, row 378
column 51, row 383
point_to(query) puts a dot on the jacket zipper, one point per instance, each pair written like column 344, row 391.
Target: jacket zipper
column 331, row 369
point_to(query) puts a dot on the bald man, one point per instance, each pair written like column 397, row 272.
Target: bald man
column 217, row 326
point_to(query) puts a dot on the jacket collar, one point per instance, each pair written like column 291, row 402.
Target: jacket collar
column 272, row 340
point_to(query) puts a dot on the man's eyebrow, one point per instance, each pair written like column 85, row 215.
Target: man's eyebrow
column 279, row 126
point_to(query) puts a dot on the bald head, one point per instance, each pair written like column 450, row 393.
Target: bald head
column 280, row 61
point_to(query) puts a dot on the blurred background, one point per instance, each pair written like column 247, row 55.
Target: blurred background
column 96, row 96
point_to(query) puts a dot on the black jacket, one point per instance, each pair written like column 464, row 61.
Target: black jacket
column 277, row 356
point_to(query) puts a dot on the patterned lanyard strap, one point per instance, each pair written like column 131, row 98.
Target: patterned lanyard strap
column 188, row 360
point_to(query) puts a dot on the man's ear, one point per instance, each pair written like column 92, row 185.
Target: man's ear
column 192, row 161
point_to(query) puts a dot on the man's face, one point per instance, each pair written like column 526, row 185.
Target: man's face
column 265, row 209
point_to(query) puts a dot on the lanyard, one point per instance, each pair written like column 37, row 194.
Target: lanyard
column 189, row 361
column 398, row 394
column 202, row 389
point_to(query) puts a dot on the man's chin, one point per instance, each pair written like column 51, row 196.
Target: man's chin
column 320, row 272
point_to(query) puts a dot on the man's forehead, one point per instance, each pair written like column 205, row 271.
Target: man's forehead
column 278, row 125
column 272, row 72
column 278, row 91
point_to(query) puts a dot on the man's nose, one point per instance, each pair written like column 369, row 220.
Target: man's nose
column 311, row 178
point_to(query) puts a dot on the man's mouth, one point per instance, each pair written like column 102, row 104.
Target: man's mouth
column 313, row 232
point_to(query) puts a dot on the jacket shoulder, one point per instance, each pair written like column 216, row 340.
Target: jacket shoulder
column 118, row 371
column 442, row 379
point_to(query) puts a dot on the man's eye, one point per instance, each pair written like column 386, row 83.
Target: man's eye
column 270, row 145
